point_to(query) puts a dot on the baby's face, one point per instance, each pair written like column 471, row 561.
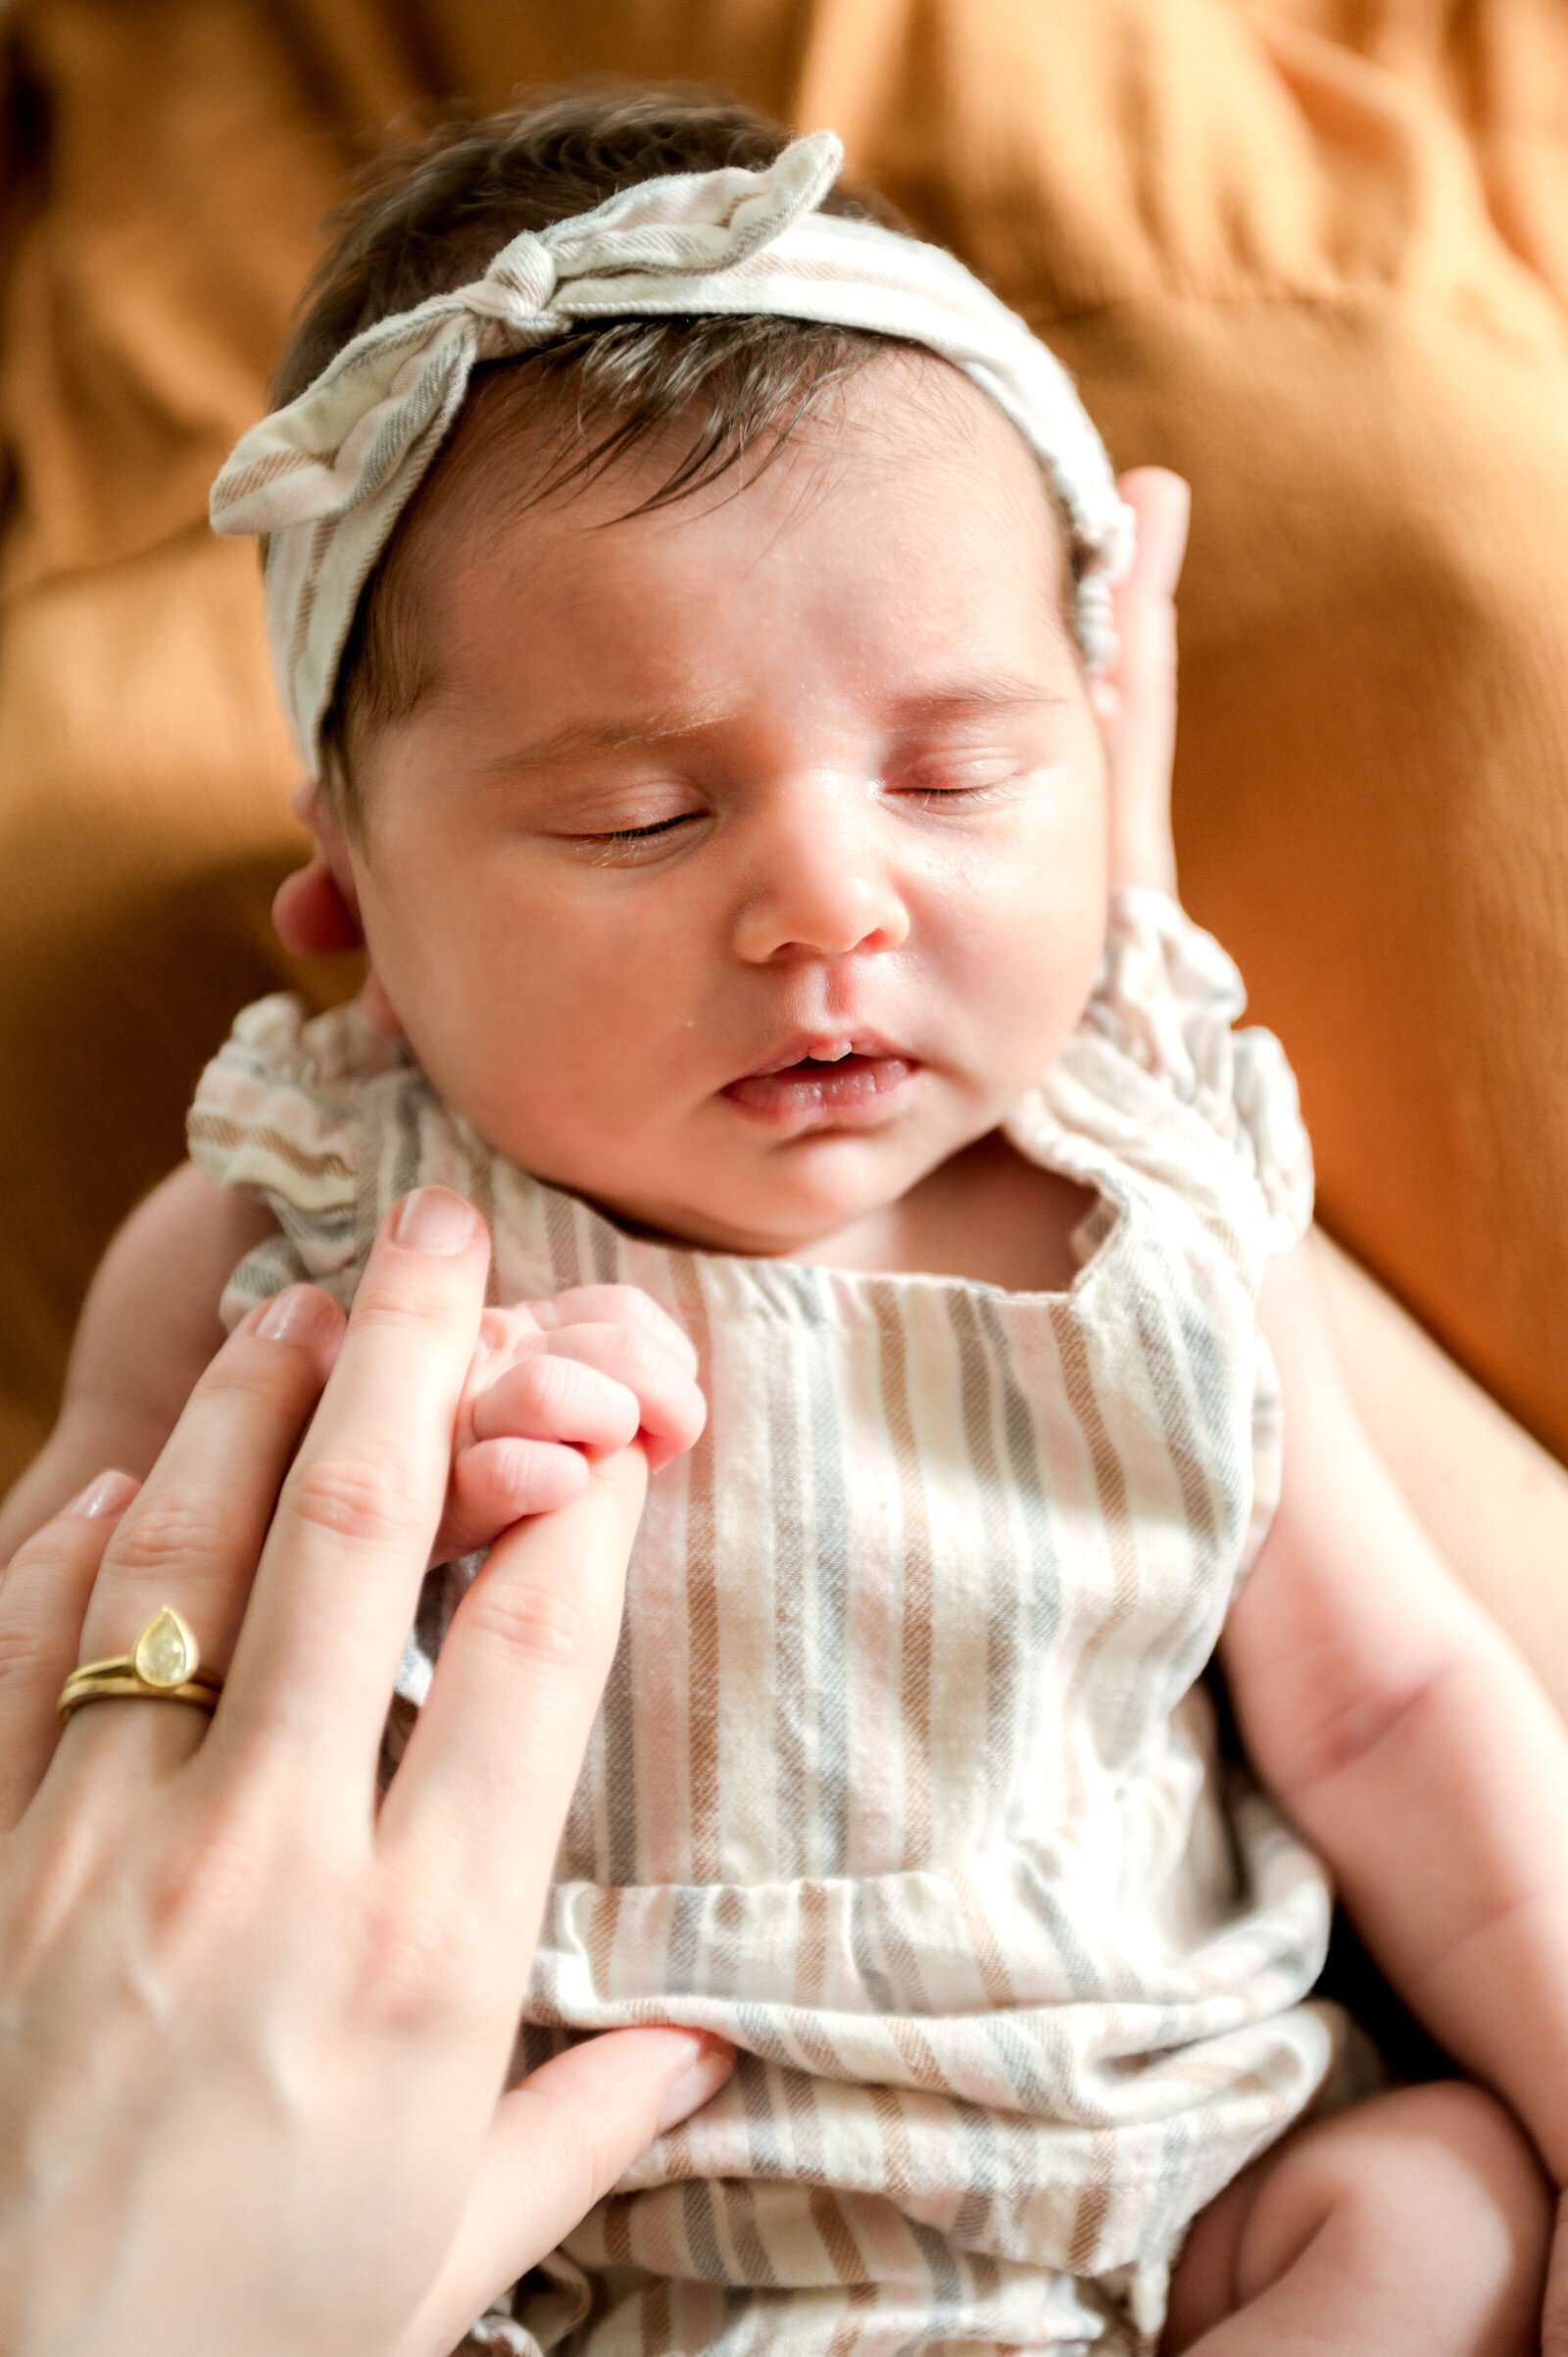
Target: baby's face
column 748, row 858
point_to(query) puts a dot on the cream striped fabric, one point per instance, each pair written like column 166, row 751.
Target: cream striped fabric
column 327, row 477
column 902, row 1780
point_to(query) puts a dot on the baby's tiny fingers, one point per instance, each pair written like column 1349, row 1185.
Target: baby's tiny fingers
column 617, row 1306
column 500, row 1483
column 671, row 1407
column 557, row 1397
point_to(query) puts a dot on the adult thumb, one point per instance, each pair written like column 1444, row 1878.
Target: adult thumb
column 559, row 2141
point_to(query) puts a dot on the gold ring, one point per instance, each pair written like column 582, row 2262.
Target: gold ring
column 163, row 1665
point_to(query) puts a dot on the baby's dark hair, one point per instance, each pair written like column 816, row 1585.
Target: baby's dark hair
column 432, row 215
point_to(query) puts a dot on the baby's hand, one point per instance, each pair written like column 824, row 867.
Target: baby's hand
column 554, row 1382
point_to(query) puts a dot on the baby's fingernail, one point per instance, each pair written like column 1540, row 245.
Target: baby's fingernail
column 712, row 2060
column 298, row 1314
column 108, row 1493
column 432, row 1219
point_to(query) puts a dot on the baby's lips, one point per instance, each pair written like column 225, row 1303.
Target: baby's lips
column 852, row 1084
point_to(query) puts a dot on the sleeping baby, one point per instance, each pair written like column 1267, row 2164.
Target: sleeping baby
column 698, row 602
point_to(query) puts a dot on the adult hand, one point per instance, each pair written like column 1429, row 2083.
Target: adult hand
column 254, row 2031
column 1137, row 701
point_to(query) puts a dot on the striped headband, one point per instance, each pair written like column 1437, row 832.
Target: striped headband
column 326, row 478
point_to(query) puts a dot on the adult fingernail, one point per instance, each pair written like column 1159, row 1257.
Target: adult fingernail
column 108, row 1494
column 432, row 1219
column 713, row 2059
column 299, row 1314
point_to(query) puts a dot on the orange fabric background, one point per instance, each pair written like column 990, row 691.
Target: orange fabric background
column 1315, row 256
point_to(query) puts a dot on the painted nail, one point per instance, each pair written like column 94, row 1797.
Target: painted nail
column 108, row 1493
column 299, row 1314
column 703, row 2077
column 432, row 1219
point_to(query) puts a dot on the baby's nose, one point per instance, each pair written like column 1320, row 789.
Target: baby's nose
column 823, row 886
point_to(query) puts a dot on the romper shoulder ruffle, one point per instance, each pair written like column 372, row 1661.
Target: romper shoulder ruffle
column 1158, row 1072
column 278, row 1115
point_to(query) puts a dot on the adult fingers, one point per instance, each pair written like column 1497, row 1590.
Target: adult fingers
column 559, row 2141
column 340, row 1575
column 43, row 1597
column 616, row 1305
column 1141, row 707
column 509, row 1714
column 192, row 1537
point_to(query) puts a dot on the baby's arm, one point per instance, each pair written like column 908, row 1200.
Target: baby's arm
column 1407, row 1738
column 148, row 1328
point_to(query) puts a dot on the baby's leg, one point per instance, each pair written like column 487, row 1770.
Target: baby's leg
column 1418, row 2221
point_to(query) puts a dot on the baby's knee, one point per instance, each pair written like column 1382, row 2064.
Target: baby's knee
column 1434, row 2193
column 1426, row 2178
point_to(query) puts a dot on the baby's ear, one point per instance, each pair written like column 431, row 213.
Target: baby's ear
column 316, row 910
column 336, row 900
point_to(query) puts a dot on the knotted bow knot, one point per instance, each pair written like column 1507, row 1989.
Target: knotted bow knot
column 520, row 282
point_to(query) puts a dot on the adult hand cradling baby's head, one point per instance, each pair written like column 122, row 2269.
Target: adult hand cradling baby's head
column 1136, row 702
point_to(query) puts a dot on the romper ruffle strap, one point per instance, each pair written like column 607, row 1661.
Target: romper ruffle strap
column 1168, row 998
column 279, row 1115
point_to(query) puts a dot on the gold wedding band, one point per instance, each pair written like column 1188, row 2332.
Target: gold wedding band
column 165, row 1666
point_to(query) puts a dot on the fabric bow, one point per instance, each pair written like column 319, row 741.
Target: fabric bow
column 326, row 478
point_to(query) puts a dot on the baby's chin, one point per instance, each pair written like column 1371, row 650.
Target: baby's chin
column 818, row 1200
column 750, row 1231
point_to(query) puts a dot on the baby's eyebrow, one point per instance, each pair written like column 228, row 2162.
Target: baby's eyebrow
column 997, row 691
column 612, row 735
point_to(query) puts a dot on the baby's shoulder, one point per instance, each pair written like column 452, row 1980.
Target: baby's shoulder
column 326, row 1121
column 1165, row 1101
column 285, row 1117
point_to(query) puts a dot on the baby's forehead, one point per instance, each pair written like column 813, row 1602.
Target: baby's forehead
column 898, row 442
column 898, row 505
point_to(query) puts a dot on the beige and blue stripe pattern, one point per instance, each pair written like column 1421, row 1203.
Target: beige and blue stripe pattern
column 905, row 1778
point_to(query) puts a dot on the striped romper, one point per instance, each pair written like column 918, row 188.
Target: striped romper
column 904, row 1779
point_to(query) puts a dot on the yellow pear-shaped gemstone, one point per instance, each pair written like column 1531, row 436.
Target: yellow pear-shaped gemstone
column 165, row 1650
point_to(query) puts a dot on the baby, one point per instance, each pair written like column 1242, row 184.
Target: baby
column 694, row 601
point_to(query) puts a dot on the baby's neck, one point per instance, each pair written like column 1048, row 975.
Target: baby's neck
column 986, row 1214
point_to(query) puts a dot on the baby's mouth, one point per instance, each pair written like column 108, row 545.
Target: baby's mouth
column 845, row 1081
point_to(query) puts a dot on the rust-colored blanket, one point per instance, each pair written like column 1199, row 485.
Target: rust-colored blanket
column 1314, row 256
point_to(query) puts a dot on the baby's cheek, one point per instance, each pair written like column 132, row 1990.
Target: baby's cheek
column 1024, row 981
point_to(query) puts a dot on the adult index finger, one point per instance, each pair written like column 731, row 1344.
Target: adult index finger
column 1143, row 682
column 340, row 1572
column 475, row 1810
